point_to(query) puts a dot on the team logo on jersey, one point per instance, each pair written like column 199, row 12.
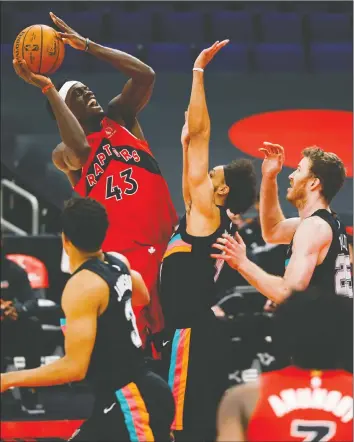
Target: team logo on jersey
column 110, row 132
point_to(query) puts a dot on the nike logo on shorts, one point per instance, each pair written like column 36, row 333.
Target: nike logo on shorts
column 107, row 410
column 164, row 343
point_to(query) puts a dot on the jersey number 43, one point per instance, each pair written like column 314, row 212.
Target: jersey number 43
column 115, row 191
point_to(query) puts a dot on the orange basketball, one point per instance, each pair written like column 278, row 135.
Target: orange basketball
column 41, row 48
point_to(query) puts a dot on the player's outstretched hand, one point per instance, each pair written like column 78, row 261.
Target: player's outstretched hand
column 205, row 57
column 270, row 306
column 273, row 159
column 69, row 36
column 23, row 71
column 233, row 250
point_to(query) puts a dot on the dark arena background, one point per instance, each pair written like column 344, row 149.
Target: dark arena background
column 285, row 77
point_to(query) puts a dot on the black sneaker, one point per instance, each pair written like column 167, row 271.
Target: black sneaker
column 30, row 404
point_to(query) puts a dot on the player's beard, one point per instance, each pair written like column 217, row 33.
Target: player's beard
column 297, row 194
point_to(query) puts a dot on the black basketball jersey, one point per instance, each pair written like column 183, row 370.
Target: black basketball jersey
column 188, row 275
column 334, row 275
column 117, row 358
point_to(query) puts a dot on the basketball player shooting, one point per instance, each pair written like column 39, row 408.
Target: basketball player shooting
column 318, row 253
column 102, row 343
column 105, row 156
column 311, row 400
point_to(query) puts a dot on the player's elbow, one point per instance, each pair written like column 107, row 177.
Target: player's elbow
column 199, row 132
column 75, row 371
column 150, row 75
column 141, row 297
column 271, row 235
column 58, row 160
column 76, row 157
column 269, row 238
column 147, row 75
column 81, row 372
column 78, row 376
column 299, row 286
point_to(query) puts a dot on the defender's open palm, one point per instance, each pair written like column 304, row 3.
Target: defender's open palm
column 205, row 57
column 273, row 160
column 233, row 250
column 69, row 36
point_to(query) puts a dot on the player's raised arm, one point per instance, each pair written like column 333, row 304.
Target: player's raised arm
column 185, row 139
column 276, row 229
column 137, row 91
column 312, row 236
column 81, row 301
column 71, row 132
column 200, row 185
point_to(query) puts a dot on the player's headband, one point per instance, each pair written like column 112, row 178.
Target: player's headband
column 63, row 91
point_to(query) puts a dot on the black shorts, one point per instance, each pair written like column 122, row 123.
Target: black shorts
column 196, row 364
column 139, row 412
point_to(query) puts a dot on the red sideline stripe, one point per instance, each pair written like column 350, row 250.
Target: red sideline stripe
column 39, row 429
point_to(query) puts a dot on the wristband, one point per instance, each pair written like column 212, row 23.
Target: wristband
column 47, row 87
column 198, row 69
column 87, row 44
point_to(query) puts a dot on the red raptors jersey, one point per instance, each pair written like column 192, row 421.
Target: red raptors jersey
column 122, row 174
column 303, row 405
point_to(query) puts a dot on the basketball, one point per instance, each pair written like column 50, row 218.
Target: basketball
column 41, row 48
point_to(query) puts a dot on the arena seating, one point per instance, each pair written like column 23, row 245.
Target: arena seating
column 296, row 37
column 270, row 57
column 182, row 27
column 324, row 27
column 331, row 57
column 123, row 27
column 278, row 27
column 169, row 56
column 237, row 26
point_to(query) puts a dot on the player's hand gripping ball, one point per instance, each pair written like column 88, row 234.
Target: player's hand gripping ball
column 41, row 47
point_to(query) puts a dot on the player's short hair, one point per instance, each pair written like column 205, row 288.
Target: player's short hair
column 85, row 223
column 314, row 329
column 240, row 176
column 328, row 168
column 47, row 104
